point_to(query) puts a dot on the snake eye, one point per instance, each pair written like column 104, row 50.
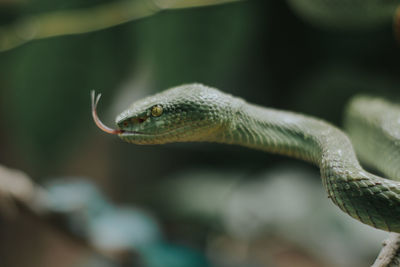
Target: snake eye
column 156, row 110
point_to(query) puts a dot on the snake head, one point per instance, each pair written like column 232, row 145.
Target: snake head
column 186, row 113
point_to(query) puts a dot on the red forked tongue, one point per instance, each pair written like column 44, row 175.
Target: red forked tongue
column 95, row 101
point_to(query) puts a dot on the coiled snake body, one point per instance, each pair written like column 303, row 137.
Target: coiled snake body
column 199, row 113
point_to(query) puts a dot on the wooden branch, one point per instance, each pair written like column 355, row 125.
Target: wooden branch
column 390, row 253
column 22, row 201
column 86, row 20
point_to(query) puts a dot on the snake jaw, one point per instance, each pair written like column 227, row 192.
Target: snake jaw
column 95, row 100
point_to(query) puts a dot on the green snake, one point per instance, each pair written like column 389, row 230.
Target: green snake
column 197, row 113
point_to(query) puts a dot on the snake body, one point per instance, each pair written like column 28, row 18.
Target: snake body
column 195, row 112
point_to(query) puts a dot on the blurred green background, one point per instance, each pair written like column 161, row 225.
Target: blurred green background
column 263, row 51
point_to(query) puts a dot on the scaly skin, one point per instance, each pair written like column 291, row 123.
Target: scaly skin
column 374, row 127
column 198, row 113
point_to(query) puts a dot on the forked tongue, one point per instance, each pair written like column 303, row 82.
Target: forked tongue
column 95, row 101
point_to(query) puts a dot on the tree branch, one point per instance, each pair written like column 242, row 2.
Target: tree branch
column 390, row 253
column 86, row 20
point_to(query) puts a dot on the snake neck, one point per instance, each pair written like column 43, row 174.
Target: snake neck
column 290, row 134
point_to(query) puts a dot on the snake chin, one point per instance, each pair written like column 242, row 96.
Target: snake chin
column 139, row 138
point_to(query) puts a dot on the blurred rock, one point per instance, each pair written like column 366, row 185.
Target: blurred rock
column 124, row 228
column 79, row 202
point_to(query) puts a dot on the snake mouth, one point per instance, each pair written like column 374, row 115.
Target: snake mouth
column 123, row 133
column 95, row 100
column 126, row 133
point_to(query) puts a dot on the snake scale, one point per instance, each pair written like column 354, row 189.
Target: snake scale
column 197, row 113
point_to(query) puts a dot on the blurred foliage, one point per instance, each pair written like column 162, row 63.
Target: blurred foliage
column 346, row 15
column 282, row 201
column 78, row 20
column 264, row 51
column 45, row 107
